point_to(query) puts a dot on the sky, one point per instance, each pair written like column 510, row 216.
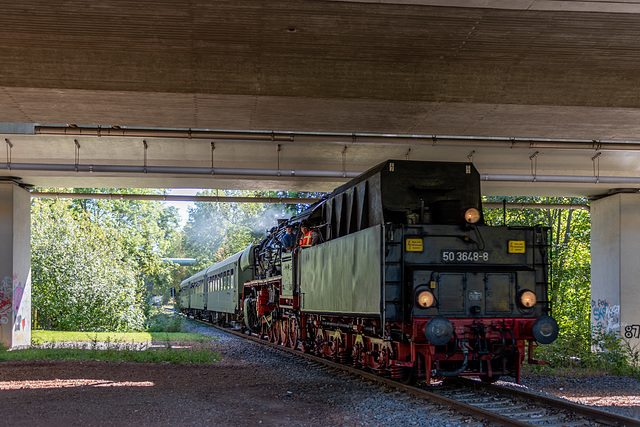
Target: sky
column 182, row 206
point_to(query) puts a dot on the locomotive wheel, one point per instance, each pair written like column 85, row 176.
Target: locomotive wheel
column 276, row 332
column 284, row 333
column 273, row 333
column 267, row 332
column 293, row 333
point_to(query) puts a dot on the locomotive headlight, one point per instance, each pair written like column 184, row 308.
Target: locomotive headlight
column 472, row 215
column 425, row 299
column 528, row 299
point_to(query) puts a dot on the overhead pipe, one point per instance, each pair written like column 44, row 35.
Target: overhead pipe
column 44, row 167
column 342, row 138
column 570, row 179
column 117, row 131
column 177, row 170
column 174, row 198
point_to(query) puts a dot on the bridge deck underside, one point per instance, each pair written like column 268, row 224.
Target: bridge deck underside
column 322, row 66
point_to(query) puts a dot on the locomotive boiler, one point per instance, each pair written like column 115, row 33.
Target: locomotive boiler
column 405, row 279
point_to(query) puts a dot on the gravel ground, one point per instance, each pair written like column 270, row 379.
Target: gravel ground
column 619, row 395
column 251, row 386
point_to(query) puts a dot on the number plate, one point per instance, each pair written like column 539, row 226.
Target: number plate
column 464, row 256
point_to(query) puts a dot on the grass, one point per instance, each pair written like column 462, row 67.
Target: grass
column 572, row 356
column 39, row 336
column 198, row 354
column 165, row 332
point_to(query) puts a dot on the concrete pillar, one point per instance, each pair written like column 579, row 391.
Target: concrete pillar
column 15, row 266
column 615, row 265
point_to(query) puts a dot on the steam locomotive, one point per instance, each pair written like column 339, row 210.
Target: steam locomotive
column 406, row 280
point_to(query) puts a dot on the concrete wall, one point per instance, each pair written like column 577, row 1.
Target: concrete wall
column 15, row 266
column 615, row 265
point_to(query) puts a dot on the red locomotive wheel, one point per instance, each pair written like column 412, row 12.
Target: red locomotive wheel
column 284, row 333
column 271, row 333
column 293, row 333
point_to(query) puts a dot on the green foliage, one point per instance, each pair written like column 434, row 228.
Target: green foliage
column 94, row 262
column 161, row 322
column 82, row 276
column 147, row 230
column 569, row 356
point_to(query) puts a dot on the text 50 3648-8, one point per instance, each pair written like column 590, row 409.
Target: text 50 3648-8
column 464, row 256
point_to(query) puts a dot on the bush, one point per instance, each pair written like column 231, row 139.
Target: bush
column 161, row 322
column 604, row 354
column 82, row 277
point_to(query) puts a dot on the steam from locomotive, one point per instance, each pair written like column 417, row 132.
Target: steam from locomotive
column 404, row 279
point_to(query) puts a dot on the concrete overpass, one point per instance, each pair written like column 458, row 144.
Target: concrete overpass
column 542, row 95
column 471, row 68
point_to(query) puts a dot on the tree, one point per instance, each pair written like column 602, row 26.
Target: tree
column 148, row 229
column 95, row 261
column 82, row 276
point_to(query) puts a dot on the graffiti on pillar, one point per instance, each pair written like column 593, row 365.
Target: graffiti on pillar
column 605, row 317
column 6, row 303
column 18, row 291
column 6, row 300
column 19, row 305
column 11, row 302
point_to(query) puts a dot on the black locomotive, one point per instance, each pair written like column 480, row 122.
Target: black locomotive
column 405, row 279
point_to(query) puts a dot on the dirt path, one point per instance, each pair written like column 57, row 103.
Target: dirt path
column 96, row 393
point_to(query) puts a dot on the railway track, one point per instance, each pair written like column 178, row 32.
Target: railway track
column 488, row 404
